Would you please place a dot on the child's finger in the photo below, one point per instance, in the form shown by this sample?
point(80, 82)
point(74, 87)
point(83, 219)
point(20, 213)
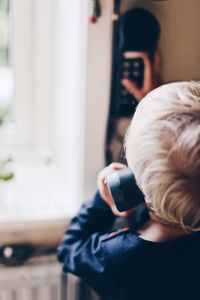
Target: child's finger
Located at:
point(101, 181)
point(148, 73)
point(117, 166)
point(132, 88)
point(124, 214)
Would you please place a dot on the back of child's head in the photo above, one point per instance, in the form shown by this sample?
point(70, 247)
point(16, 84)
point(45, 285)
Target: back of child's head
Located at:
point(163, 150)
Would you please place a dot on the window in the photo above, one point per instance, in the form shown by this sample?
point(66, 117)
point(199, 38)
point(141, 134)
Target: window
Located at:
point(6, 71)
point(15, 74)
point(43, 133)
point(55, 57)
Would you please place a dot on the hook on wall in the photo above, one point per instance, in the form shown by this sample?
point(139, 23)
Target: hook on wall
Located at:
point(95, 11)
point(116, 10)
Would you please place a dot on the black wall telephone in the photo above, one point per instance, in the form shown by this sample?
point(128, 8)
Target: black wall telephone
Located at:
point(137, 31)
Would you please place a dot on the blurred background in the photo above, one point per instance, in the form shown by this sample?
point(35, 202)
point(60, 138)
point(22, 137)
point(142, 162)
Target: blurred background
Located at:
point(56, 71)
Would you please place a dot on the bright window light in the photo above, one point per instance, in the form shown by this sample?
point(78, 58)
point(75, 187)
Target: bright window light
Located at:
point(6, 71)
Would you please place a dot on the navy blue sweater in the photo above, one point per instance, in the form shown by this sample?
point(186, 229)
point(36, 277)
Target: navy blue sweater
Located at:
point(121, 266)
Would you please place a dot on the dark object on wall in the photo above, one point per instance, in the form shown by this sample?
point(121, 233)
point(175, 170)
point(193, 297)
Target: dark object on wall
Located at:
point(137, 30)
point(96, 11)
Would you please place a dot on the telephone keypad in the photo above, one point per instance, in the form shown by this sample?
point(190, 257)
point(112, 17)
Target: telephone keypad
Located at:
point(132, 69)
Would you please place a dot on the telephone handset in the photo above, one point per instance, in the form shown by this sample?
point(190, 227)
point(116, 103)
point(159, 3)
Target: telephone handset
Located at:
point(124, 190)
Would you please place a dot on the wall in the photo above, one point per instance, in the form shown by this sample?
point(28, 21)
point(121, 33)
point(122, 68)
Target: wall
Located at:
point(180, 42)
point(97, 94)
point(180, 46)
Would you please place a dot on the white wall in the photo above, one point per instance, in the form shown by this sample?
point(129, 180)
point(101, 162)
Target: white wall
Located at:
point(97, 94)
point(180, 46)
point(69, 81)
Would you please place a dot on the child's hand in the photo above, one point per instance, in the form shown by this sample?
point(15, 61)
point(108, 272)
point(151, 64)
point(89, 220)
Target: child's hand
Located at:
point(103, 189)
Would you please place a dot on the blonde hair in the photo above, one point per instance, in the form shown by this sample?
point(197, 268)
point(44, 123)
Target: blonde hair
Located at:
point(163, 150)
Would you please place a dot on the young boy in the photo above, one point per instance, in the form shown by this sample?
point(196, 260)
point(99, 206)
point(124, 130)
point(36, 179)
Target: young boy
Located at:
point(159, 261)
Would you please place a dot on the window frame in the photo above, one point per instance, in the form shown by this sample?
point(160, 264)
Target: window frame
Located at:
point(44, 135)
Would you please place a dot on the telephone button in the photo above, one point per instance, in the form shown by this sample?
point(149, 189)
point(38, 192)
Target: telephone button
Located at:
point(136, 64)
point(126, 74)
point(136, 73)
point(126, 64)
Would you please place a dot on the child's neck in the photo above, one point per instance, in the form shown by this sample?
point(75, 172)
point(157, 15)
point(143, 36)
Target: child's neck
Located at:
point(156, 231)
